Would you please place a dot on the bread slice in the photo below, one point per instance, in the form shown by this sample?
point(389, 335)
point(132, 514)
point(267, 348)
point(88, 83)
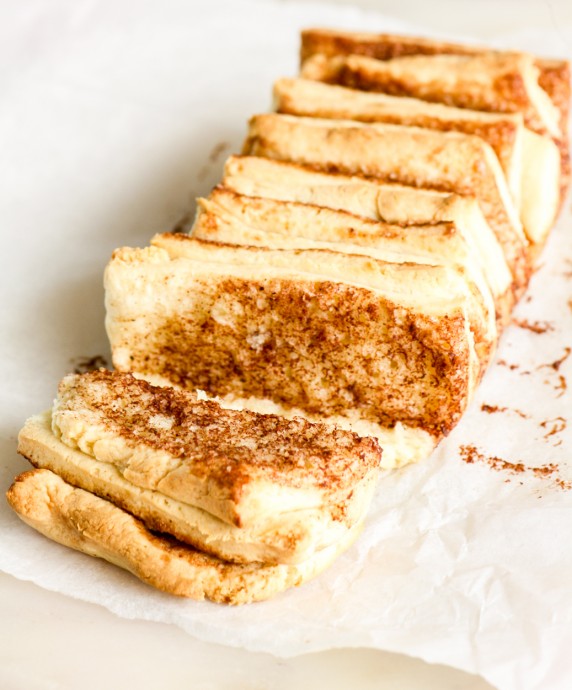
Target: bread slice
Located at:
point(371, 198)
point(531, 162)
point(84, 522)
point(447, 161)
point(238, 219)
point(287, 537)
point(332, 334)
point(246, 469)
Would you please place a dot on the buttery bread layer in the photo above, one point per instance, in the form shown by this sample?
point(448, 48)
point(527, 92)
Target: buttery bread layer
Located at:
point(290, 537)
point(78, 519)
point(326, 332)
point(233, 218)
point(531, 162)
point(244, 468)
point(371, 198)
point(446, 161)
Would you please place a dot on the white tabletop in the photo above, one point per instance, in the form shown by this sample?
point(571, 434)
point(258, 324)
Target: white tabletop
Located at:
point(51, 641)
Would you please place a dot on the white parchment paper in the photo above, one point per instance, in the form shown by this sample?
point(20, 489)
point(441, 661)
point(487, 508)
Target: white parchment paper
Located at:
point(114, 115)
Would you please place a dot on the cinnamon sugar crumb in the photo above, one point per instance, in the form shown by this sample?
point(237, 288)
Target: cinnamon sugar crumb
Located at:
point(492, 409)
point(471, 455)
point(534, 326)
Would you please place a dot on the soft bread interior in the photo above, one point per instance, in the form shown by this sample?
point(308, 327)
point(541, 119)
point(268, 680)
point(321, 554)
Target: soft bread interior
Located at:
point(531, 162)
point(157, 439)
point(309, 329)
point(432, 290)
point(229, 217)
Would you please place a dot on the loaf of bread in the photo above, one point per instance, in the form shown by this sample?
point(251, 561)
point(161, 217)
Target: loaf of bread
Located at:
point(329, 311)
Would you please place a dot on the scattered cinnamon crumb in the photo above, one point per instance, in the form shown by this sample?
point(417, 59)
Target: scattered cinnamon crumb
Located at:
point(559, 362)
point(554, 427)
point(534, 326)
point(558, 424)
point(491, 409)
point(568, 273)
point(82, 365)
point(471, 455)
point(511, 367)
point(561, 386)
point(504, 363)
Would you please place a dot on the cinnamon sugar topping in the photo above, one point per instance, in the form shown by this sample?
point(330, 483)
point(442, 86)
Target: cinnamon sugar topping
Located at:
point(471, 455)
point(228, 445)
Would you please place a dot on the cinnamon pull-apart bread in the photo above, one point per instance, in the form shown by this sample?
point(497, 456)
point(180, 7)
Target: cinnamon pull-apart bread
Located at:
point(381, 347)
point(78, 519)
point(239, 485)
point(446, 161)
point(531, 162)
point(238, 219)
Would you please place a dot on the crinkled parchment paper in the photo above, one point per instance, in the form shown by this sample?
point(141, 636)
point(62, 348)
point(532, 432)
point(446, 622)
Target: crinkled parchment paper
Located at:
point(113, 116)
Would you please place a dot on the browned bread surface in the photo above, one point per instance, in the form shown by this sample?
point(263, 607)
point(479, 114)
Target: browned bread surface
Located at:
point(78, 519)
point(196, 452)
point(446, 161)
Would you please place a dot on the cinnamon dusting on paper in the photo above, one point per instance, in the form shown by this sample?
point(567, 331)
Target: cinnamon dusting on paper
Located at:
point(492, 409)
point(534, 326)
point(559, 362)
point(554, 427)
point(504, 363)
point(512, 367)
point(471, 455)
point(561, 384)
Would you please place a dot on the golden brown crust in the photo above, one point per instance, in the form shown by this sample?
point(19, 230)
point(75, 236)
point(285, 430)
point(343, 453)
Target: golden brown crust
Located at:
point(396, 206)
point(77, 519)
point(554, 75)
point(445, 161)
point(492, 82)
point(285, 537)
point(245, 220)
point(314, 99)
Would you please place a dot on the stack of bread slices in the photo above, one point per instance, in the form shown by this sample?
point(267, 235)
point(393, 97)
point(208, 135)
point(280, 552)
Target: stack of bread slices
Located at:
point(336, 300)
